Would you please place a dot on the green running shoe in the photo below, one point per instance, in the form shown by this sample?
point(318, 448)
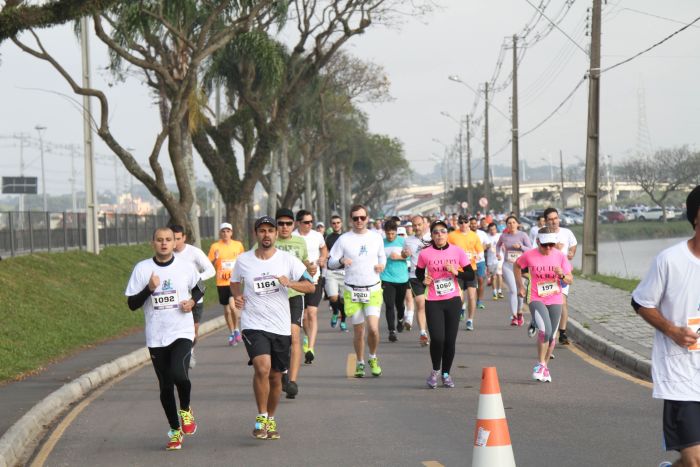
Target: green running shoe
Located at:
point(305, 345)
point(374, 365)
point(360, 370)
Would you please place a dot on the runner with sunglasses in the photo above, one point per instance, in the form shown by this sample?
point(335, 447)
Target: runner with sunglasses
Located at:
point(438, 267)
point(333, 280)
point(548, 268)
point(361, 252)
point(511, 246)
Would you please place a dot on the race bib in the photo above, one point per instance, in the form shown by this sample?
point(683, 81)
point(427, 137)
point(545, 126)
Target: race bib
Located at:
point(167, 300)
point(513, 256)
point(266, 285)
point(444, 286)
point(694, 325)
point(227, 268)
point(545, 289)
point(360, 295)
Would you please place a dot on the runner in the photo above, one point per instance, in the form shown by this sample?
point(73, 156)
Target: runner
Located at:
point(168, 289)
point(203, 266)
point(480, 261)
point(334, 278)
point(223, 254)
point(260, 283)
point(409, 304)
point(321, 228)
point(566, 243)
point(669, 300)
point(362, 254)
point(470, 242)
point(415, 244)
point(438, 267)
point(512, 244)
point(534, 230)
point(495, 265)
point(394, 279)
point(295, 246)
point(548, 269)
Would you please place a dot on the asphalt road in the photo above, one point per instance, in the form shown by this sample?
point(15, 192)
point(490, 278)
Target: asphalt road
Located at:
point(587, 416)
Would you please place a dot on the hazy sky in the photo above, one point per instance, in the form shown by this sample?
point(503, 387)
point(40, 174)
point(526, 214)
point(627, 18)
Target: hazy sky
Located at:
point(462, 37)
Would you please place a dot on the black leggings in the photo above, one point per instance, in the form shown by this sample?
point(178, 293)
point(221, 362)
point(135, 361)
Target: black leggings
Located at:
point(443, 322)
point(171, 364)
point(394, 295)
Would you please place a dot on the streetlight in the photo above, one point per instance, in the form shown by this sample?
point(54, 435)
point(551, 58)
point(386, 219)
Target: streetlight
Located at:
point(551, 169)
point(39, 129)
point(461, 150)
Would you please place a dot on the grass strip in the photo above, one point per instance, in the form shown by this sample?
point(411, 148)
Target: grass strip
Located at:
point(57, 303)
point(638, 230)
point(627, 285)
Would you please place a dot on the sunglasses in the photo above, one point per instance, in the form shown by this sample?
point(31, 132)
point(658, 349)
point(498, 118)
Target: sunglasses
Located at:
point(463, 222)
point(548, 245)
point(285, 223)
point(439, 231)
point(335, 223)
point(307, 222)
point(359, 218)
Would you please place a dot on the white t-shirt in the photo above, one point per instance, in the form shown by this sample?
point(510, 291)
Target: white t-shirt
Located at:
point(314, 242)
point(165, 321)
point(534, 230)
point(415, 245)
point(266, 301)
point(199, 260)
point(481, 257)
point(567, 238)
point(365, 250)
point(493, 240)
point(670, 286)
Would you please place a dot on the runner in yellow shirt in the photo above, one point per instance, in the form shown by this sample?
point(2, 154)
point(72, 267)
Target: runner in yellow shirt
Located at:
point(223, 255)
point(471, 243)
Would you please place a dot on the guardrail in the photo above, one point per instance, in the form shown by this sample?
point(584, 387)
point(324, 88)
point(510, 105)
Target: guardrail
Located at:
point(26, 232)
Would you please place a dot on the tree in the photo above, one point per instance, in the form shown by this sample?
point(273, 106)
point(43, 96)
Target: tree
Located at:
point(665, 172)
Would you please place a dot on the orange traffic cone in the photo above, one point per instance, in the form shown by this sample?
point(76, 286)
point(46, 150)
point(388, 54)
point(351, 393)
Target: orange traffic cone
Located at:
point(492, 446)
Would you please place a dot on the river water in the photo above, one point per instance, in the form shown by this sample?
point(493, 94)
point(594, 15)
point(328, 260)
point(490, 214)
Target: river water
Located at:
point(629, 258)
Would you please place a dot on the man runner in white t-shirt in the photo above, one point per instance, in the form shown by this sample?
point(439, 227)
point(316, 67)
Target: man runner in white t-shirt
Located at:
point(566, 243)
point(362, 253)
point(168, 289)
point(668, 298)
point(318, 255)
point(259, 285)
point(203, 266)
point(415, 243)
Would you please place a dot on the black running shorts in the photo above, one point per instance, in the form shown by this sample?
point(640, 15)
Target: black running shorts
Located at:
point(681, 424)
point(224, 294)
point(314, 299)
point(296, 309)
point(267, 343)
point(417, 287)
point(197, 312)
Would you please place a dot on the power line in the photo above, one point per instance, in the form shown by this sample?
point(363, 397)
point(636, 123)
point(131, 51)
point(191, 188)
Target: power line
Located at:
point(656, 16)
point(566, 99)
point(557, 26)
point(652, 46)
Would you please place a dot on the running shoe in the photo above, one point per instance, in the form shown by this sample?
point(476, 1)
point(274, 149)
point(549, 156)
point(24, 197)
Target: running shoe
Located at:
point(563, 338)
point(470, 325)
point(423, 340)
point(546, 377)
point(399, 327)
point(374, 365)
point(239, 337)
point(292, 390)
point(231, 340)
point(532, 330)
point(407, 325)
point(480, 305)
point(461, 314)
point(189, 426)
point(665, 464)
point(272, 429)
point(513, 321)
point(334, 320)
point(447, 380)
point(309, 356)
point(193, 362)
point(500, 295)
point(305, 345)
point(495, 296)
point(538, 372)
point(343, 326)
point(433, 379)
point(175, 441)
point(260, 430)
point(392, 336)
point(551, 357)
point(360, 370)
point(521, 321)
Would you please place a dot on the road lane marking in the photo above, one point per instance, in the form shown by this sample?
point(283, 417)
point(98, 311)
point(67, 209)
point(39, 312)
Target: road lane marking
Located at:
point(63, 425)
point(432, 464)
point(607, 368)
point(350, 365)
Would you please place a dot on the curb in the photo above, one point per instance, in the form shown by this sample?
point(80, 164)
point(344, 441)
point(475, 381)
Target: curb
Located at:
point(602, 347)
point(29, 429)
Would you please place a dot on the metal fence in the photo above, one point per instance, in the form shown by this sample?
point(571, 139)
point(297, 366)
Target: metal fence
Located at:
point(30, 231)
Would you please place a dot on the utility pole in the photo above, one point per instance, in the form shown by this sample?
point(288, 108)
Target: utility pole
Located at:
point(21, 173)
point(487, 185)
point(39, 129)
point(589, 261)
point(91, 234)
point(461, 156)
point(470, 192)
point(561, 173)
point(515, 164)
point(74, 202)
point(217, 195)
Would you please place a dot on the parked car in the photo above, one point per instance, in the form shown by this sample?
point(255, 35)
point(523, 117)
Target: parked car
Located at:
point(614, 217)
point(629, 215)
point(655, 214)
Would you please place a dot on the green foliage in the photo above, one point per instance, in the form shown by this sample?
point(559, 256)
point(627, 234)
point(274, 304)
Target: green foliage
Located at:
point(638, 230)
point(628, 285)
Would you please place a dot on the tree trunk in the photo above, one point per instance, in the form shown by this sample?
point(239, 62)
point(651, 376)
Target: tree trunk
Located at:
point(321, 194)
point(236, 215)
point(274, 183)
point(284, 165)
point(308, 195)
point(343, 200)
point(193, 235)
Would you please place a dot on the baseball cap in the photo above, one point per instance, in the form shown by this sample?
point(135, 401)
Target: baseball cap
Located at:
point(265, 220)
point(462, 217)
point(225, 225)
point(320, 224)
point(401, 231)
point(438, 222)
point(284, 212)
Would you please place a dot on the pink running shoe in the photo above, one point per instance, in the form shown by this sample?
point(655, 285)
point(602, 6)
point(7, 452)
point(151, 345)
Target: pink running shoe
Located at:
point(520, 319)
point(514, 321)
point(538, 372)
point(546, 377)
